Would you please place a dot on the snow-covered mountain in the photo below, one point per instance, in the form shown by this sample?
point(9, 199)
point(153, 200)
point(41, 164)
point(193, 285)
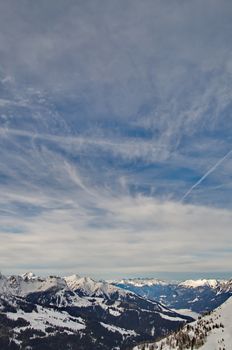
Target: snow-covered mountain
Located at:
point(46, 313)
point(140, 282)
point(198, 296)
point(210, 332)
point(29, 283)
point(87, 286)
point(212, 283)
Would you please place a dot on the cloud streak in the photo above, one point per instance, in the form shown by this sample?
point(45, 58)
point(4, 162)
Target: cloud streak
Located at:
point(206, 175)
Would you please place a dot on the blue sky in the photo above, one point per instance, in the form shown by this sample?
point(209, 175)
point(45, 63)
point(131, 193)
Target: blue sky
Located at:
point(110, 113)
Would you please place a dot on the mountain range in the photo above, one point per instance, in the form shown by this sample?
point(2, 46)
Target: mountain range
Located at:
point(79, 313)
point(196, 296)
point(76, 312)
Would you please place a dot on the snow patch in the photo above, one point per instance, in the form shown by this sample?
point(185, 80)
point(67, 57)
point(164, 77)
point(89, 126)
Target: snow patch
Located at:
point(122, 331)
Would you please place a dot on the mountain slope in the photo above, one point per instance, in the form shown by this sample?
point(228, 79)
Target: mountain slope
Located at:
point(48, 313)
point(211, 332)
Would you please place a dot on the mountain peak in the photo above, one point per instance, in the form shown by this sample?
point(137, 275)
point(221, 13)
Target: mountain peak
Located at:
point(140, 282)
point(29, 276)
point(89, 286)
point(212, 283)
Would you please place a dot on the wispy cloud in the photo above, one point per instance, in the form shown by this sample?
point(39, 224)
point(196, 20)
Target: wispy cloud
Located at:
point(109, 113)
point(137, 234)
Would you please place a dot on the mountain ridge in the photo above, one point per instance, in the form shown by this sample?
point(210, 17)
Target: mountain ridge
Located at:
point(80, 311)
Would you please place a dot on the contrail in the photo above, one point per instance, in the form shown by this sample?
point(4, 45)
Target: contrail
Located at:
point(206, 175)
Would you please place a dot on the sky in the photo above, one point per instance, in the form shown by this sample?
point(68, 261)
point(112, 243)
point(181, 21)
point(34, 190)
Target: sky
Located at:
point(116, 137)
